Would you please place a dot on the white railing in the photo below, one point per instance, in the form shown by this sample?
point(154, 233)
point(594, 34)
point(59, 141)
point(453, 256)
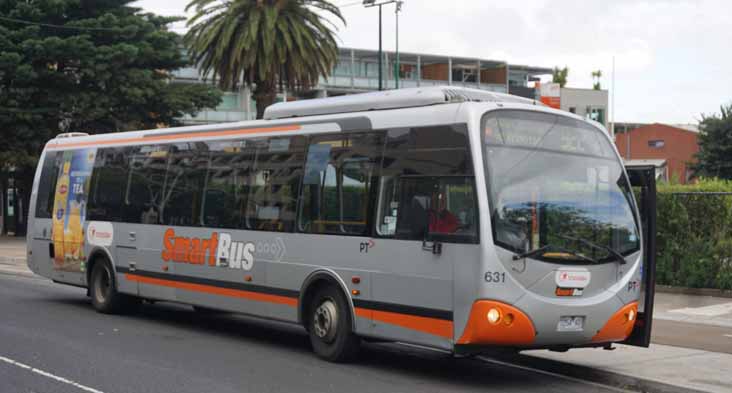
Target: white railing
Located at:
point(368, 83)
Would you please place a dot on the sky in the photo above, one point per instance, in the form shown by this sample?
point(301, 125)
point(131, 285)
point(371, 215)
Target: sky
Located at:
point(673, 61)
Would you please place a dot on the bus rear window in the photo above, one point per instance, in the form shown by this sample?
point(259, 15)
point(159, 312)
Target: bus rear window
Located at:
point(46, 185)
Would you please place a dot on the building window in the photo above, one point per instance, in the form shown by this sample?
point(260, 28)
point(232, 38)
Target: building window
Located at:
point(596, 114)
point(656, 144)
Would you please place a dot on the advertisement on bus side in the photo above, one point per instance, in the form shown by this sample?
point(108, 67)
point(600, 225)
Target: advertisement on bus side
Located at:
point(69, 211)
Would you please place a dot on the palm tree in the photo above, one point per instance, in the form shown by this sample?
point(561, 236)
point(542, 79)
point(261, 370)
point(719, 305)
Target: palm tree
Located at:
point(559, 75)
point(596, 75)
point(263, 44)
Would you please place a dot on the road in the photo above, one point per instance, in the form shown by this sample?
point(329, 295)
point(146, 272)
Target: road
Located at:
point(51, 340)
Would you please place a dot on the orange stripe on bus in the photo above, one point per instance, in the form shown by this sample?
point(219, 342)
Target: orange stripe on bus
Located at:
point(434, 326)
point(261, 297)
point(173, 137)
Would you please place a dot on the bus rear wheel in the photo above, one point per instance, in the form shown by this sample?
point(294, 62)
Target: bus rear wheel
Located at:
point(103, 291)
point(329, 326)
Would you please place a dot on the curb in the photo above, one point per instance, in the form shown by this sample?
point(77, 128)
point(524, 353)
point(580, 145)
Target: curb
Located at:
point(13, 261)
point(609, 378)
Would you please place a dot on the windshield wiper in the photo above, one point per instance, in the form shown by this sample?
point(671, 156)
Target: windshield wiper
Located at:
point(615, 254)
point(543, 249)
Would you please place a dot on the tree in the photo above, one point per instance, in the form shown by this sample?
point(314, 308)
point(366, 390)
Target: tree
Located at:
point(93, 66)
point(263, 44)
point(559, 75)
point(714, 158)
point(596, 75)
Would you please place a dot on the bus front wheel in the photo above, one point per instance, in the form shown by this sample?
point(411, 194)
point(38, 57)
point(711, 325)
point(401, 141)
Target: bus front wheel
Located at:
point(103, 291)
point(329, 327)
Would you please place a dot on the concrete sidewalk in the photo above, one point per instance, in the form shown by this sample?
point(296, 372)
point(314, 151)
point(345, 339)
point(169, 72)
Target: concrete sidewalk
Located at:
point(660, 368)
point(704, 310)
point(13, 256)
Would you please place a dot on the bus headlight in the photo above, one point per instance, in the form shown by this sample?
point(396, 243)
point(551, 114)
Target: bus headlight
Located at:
point(494, 316)
point(631, 315)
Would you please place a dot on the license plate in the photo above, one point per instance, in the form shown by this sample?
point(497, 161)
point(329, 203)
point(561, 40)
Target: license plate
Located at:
point(571, 324)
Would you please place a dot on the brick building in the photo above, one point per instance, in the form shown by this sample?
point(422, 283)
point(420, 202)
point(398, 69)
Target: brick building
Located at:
point(674, 144)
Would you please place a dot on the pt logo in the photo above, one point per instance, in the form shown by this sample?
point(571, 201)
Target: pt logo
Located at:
point(365, 246)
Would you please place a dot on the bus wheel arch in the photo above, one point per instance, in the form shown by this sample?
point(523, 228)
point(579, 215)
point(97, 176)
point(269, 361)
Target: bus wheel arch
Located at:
point(326, 312)
point(97, 255)
point(312, 284)
point(102, 286)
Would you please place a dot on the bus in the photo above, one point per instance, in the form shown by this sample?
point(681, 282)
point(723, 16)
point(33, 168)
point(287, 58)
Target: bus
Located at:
point(450, 218)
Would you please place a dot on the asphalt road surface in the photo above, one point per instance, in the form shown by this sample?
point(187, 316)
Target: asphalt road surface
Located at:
point(51, 340)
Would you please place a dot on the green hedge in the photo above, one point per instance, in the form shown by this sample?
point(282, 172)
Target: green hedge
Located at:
point(695, 235)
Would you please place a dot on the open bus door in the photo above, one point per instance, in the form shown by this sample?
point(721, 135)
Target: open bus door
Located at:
point(644, 178)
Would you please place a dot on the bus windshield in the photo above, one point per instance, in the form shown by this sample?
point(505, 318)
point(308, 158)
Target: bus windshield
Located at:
point(556, 187)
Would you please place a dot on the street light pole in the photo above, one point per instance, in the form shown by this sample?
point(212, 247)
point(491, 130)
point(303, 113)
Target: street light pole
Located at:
point(373, 3)
point(381, 55)
point(397, 67)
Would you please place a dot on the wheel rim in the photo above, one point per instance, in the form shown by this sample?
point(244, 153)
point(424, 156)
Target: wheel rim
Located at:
point(325, 320)
point(103, 284)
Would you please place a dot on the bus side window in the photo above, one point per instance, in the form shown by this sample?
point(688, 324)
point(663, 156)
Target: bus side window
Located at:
point(184, 183)
point(145, 184)
point(337, 182)
point(275, 185)
point(226, 193)
point(108, 184)
point(47, 184)
point(411, 154)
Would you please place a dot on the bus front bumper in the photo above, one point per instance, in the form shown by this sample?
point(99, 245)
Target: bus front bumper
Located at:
point(496, 324)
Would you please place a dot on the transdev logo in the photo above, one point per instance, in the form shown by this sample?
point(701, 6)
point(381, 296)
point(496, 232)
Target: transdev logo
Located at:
point(575, 278)
point(100, 233)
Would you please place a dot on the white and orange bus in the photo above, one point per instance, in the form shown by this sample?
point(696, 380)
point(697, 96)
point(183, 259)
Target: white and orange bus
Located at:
point(451, 218)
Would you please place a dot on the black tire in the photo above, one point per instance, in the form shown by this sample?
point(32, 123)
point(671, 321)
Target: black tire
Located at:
point(103, 291)
point(329, 326)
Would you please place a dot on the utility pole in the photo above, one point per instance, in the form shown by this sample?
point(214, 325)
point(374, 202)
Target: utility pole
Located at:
point(373, 3)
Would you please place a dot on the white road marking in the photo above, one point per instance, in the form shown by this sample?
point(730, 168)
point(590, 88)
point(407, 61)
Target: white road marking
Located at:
point(49, 375)
point(708, 311)
point(728, 335)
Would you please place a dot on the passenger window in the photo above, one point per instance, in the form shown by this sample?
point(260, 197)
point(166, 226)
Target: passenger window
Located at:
point(108, 184)
point(47, 184)
point(337, 182)
point(275, 184)
point(230, 172)
point(184, 183)
point(441, 208)
point(427, 185)
point(145, 184)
